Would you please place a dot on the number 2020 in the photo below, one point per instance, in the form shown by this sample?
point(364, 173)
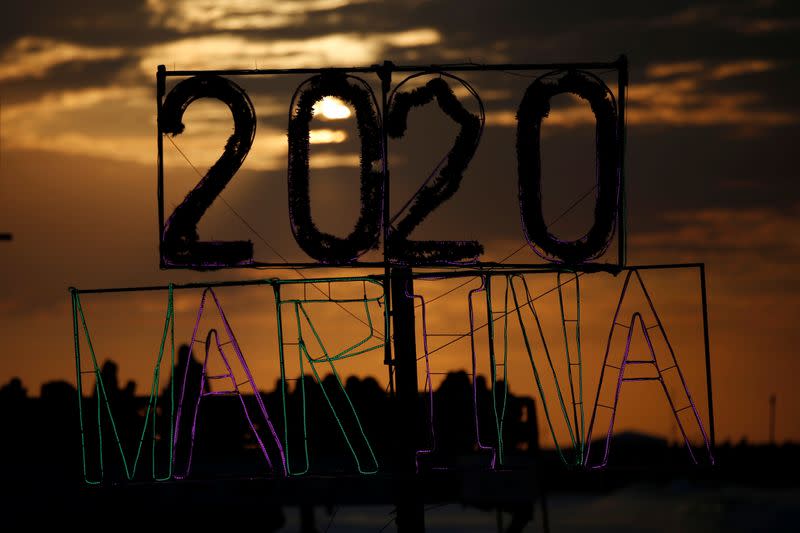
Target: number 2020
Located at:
point(180, 244)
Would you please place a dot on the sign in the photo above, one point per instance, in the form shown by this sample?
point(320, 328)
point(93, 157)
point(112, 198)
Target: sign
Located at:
point(377, 122)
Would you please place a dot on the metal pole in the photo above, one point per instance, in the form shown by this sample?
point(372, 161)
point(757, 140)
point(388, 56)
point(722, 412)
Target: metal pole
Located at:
point(453, 67)
point(772, 419)
point(708, 355)
point(160, 91)
point(622, 83)
point(410, 505)
point(385, 75)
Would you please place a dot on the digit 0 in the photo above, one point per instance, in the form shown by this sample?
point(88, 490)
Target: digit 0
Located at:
point(323, 246)
point(534, 107)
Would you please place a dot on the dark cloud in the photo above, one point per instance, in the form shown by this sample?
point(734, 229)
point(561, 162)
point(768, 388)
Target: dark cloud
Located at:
point(94, 22)
point(69, 76)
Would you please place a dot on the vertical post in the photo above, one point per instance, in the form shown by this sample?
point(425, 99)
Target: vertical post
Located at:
point(410, 510)
point(708, 355)
point(622, 82)
point(160, 90)
point(772, 419)
point(276, 288)
point(493, 371)
point(78, 377)
point(385, 75)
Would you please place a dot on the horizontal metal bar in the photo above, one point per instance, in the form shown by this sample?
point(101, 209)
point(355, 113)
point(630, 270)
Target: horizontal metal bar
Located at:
point(479, 266)
point(456, 67)
point(483, 265)
point(293, 301)
point(660, 266)
point(213, 284)
point(641, 379)
point(238, 283)
point(489, 269)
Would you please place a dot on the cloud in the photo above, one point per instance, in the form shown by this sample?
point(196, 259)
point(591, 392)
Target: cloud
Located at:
point(682, 94)
point(193, 15)
point(766, 25)
point(741, 68)
point(690, 96)
point(761, 233)
point(690, 16)
point(743, 18)
point(654, 104)
point(666, 70)
point(327, 136)
point(77, 122)
point(229, 50)
point(34, 57)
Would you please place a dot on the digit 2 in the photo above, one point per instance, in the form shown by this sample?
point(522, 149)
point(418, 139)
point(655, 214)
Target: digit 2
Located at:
point(433, 194)
point(180, 244)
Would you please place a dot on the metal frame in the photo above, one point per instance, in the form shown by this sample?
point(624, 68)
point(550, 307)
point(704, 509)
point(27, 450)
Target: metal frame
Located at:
point(384, 72)
point(274, 282)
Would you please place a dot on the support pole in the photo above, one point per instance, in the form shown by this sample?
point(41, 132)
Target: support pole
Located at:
point(622, 84)
point(385, 75)
point(706, 343)
point(772, 420)
point(410, 505)
point(161, 89)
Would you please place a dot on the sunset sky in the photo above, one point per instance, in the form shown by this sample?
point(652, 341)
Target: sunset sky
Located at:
point(712, 126)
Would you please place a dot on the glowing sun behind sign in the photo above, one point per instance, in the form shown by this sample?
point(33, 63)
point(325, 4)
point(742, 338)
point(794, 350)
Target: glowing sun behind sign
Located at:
point(332, 108)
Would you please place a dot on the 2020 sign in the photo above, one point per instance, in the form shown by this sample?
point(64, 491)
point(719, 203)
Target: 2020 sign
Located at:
point(181, 246)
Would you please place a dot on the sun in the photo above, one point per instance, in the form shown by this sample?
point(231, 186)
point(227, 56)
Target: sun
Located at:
point(332, 108)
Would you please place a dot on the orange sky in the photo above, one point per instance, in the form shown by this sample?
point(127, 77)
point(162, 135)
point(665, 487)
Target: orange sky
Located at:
point(711, 128)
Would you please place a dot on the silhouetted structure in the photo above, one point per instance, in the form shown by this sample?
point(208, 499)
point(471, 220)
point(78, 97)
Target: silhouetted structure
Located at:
point(41, 442)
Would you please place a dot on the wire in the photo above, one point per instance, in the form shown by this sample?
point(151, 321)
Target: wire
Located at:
point(330, 522)
point(392, 519)
point(524, 245)
point(448, 292)
point(526, 304)
point(482, 119)
point(262, 239)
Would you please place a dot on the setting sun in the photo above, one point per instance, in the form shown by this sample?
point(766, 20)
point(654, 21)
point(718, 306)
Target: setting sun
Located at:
point(332, 108)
